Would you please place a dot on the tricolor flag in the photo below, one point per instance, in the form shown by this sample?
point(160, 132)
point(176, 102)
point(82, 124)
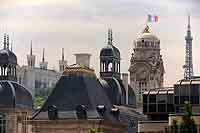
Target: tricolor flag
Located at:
point(152, 18)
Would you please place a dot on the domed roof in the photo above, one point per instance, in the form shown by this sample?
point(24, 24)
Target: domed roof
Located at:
point(7, 57)
point(110, 50)
point(147, 35)
point(14, 95)
point(77, 87)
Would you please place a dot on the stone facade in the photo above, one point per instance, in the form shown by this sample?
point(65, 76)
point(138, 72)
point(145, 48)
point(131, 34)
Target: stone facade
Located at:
point(146, 65)
point(75, 126)
point(38, 81)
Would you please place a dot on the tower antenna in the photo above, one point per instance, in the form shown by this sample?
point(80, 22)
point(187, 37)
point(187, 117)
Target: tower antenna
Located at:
point(188, 67)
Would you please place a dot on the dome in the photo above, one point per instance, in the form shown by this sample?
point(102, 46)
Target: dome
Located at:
point(74, 89)
point(110, 51)
point(7, 57)
point(147, 40)
point(14, 95)
point(148, 36)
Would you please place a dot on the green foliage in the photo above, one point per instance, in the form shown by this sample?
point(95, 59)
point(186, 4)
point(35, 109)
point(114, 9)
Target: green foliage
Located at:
point(38, 102)
point(94, 130)
point(188, 124)
point(174, 127)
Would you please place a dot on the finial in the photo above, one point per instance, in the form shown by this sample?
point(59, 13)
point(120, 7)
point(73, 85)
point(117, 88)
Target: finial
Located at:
point(188, 21)
point(31, 51)
point(110, 38)
point(8, 42)
point(43, 56)
point(11, 47)
point(4, 42)
point(146, 29)
point(63, 58)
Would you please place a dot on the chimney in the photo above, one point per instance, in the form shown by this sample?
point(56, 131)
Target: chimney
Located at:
point(125, 83)
point(83, 59)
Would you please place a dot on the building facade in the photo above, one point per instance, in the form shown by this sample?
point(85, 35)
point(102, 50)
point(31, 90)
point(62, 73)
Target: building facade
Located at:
point(146, 65)
point(39, 80)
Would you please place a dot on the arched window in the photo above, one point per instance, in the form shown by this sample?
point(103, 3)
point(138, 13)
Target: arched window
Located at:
point(110, 65)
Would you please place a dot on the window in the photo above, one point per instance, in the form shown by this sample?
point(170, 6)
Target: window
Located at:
point(170, 99)
point(2, 124)
point(152, 107)
point(184, 90)
point(145, 98)
point(176, 99)
point(161, 98)
point(194, 99)
point(152, 98)
point(144, 108)
point(161, 107)
point(194, 90)
point(170, 107)
point(183, 99)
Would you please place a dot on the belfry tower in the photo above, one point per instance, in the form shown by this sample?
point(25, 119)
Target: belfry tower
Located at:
point(31, 58)
point(188, 73)
point(43, 63)
point(62, 62)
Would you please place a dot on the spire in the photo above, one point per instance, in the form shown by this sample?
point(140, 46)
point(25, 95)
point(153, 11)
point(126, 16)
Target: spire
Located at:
point(31, 51)
point(188, 22)
point(8, 43)
point(4, 42)
point(43, 56)
point(110, 38)
point(63, 58)
point(11, 47)
point(188, 66)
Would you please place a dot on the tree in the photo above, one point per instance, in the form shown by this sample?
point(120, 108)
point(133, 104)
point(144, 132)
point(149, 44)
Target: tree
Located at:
point(38, 102)
point(188, 124)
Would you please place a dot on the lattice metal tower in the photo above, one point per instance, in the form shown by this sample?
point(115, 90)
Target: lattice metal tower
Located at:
point(188, 57)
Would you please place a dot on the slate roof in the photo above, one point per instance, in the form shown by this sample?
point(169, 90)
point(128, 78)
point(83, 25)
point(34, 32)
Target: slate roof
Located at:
point(73, 89)
point(114, 89)
point(14, 95)
point(110, 51)
point(7, 57)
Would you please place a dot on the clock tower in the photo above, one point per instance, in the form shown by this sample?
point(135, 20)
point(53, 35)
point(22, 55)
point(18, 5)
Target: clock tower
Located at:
point(146, 65)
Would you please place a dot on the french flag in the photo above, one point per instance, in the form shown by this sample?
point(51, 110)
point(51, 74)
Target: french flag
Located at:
point(152, 18)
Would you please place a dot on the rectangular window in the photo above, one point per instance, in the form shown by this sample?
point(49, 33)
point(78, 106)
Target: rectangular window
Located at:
point(145, 98)
point(152, 107)
point(170, 108)
point(152, 98)
point(2, 124)
point(194, 99)
point(183, 99)
point(144, 108)
point(176, 99)
point(170, 99)
point(184, 90)
point(161, 98)
point(195, 90)
point(161, 107)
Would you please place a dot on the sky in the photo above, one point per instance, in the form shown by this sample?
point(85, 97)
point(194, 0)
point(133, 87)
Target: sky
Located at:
point(80, 26)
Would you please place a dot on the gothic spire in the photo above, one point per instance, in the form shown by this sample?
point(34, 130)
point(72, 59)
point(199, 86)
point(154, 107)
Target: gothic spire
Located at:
point(8, 42)
point(63, 58)
point(110, 38)
point(188, 22)
point(31, 51)
point(43, 56)
point(4, 42)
